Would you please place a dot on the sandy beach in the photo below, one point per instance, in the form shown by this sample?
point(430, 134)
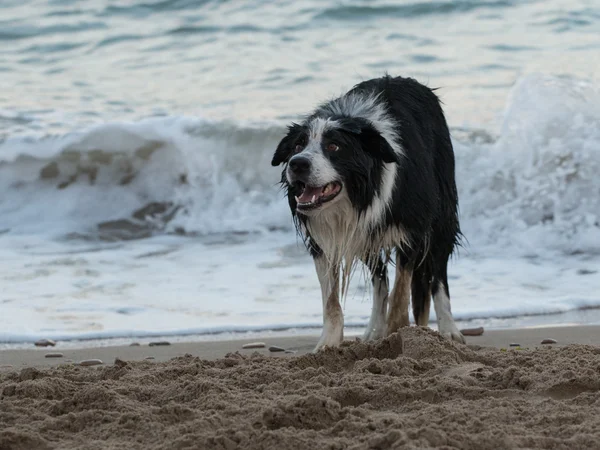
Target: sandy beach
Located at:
point(411, 390)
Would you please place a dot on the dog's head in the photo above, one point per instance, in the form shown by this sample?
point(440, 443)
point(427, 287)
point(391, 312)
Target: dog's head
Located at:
point(327, 159)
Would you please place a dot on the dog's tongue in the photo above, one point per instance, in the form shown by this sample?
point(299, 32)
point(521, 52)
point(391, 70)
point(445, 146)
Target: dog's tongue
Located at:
point(309, 193)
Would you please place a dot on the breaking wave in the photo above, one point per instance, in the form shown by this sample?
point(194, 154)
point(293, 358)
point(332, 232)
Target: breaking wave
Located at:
point(533, 185)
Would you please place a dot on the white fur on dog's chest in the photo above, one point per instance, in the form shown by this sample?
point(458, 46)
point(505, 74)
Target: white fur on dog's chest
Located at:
point(344, 237)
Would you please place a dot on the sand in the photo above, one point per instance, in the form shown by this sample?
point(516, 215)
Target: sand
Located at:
point(411, 390)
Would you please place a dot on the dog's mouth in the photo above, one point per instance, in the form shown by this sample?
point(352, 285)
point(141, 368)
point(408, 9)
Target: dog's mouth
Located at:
point(309, 197)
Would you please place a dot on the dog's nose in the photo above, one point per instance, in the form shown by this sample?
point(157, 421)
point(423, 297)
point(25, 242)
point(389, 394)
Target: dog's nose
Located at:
point(299, 165)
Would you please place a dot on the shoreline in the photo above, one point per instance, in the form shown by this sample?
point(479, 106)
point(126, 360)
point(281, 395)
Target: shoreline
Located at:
point(583, 316)
point(16, 359)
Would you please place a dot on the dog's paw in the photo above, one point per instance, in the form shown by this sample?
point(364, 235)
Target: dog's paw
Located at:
point(329, 340)
point(451, 332)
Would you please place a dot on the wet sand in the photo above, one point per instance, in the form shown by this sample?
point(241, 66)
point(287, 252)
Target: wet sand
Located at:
point(412, 390)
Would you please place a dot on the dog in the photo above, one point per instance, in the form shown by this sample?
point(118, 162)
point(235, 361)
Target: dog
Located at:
point(370, 178)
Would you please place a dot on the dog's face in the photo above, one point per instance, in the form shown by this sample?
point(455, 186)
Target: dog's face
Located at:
point(329, 159)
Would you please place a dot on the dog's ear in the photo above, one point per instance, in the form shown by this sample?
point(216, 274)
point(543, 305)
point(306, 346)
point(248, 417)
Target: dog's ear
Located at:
point(286, 146)
point(372, 141)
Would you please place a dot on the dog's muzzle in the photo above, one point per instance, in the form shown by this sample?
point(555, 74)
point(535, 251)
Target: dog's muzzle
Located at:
point(308, 196)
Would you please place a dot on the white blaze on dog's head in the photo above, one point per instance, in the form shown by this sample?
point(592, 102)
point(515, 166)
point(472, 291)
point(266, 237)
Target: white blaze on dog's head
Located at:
point(322, 171)
point(316, 181)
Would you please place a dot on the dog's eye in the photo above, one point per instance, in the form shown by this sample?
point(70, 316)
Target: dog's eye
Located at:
point(332, 148)
point(300, 144)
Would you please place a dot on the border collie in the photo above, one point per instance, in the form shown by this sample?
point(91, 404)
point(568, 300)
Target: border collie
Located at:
point(369, 175)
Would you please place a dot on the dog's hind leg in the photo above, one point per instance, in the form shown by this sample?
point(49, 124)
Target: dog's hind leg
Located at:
point(376, 328)
point(333, 317)
point(421, 294)
point(399, 297)
point(441, 302)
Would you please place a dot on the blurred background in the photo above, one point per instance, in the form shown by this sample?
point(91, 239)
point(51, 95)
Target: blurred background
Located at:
point(136, 192)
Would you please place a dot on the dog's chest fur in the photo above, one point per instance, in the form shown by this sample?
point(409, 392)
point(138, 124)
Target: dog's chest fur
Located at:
point(345, 237)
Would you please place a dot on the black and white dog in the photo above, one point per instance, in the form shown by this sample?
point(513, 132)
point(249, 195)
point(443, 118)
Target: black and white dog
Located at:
point(369, 174)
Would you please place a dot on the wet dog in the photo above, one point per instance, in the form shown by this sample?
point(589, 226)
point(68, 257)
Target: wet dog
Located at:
point(370, 177)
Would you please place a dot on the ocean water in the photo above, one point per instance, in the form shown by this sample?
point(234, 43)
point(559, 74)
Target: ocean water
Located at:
point(136, 193)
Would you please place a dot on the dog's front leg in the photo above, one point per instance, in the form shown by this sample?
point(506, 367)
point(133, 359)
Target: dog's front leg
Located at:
point(333, 317)
point(377, 326)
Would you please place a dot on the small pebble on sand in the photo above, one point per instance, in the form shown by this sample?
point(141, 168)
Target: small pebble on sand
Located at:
point(549, 341)
point(274, 348)
point(156, 344)
point(254, 345)
point(54, 355)
point(134, 344)
point(90, 362)
point(514, 344)
point(472, 331)
point(45, 343)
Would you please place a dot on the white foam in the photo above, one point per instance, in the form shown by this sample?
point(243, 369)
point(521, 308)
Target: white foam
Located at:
point(228, 183)
point(536, 188)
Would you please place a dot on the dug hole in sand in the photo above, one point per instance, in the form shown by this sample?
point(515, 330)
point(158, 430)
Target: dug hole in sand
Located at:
point(411, 390)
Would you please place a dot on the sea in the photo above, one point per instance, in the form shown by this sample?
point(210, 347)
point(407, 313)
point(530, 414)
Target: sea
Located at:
point(137, 199)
